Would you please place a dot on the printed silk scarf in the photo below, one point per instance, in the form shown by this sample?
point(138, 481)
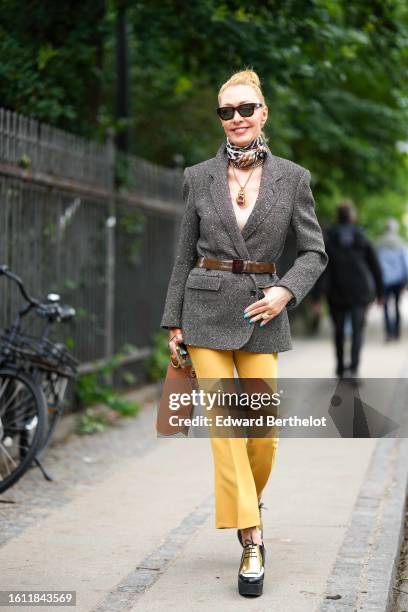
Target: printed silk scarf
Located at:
point(249, 155)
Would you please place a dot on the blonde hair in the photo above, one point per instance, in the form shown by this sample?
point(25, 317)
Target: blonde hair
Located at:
point(245, 77)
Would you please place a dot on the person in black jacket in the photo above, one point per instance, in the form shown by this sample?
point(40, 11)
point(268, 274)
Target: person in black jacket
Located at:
point(351, 281)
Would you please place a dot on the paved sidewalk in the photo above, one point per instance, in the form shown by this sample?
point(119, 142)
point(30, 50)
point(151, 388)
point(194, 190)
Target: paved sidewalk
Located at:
point(132, 527)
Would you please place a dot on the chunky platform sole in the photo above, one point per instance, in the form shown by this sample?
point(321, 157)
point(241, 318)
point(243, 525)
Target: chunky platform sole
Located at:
point(250, 588)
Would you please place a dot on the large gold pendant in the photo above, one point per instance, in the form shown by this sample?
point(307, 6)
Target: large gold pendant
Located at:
point(241, 198)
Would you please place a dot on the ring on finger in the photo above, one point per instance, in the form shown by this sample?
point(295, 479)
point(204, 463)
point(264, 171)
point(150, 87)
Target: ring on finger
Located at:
point(265, 315)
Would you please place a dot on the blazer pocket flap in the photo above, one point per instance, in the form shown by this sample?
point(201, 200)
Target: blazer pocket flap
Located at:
point(204, 281)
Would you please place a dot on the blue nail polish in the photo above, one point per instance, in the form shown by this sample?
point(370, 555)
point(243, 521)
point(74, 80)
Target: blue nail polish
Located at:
point(252, 321)
point(246, 315)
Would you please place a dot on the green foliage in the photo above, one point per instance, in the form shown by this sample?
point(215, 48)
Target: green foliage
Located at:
point(92, 422)
point(333, 74)
point(51, 66)
point(129, 378)
point(91, 389)
point(122, 173)
point(69, 342)
point(124, 407)
point(375, 208)
point(131, 222)
point(50, 231)
point(70, 284)
point(392, 202)
point(156, 364)
point(25, 161)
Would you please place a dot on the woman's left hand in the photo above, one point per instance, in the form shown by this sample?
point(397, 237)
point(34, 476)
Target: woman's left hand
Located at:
point(273, 303)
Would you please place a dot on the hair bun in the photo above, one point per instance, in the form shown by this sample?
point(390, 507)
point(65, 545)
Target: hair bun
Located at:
point(246, 75)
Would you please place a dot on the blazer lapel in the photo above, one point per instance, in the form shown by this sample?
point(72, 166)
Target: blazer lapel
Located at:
point(267, 197)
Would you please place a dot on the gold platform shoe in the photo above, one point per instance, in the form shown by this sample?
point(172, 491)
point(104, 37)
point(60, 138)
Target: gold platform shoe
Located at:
point(252, 569)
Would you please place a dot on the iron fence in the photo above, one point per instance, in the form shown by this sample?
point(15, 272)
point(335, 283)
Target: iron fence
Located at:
point(67, 226)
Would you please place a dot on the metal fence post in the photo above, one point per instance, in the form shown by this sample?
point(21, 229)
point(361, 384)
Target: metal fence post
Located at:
point(110, 255)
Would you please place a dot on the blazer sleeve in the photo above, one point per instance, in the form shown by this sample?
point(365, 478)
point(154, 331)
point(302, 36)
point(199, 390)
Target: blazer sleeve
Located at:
point(311, 257)
point(186, 255)
point(323, 283)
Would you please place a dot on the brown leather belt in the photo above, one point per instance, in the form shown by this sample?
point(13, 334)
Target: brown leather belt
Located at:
point(238, 266)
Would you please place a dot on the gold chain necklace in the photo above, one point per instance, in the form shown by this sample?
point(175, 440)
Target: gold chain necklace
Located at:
point(241, 193)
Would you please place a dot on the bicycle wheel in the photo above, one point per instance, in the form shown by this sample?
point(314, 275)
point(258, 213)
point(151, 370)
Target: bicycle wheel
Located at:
point(23, 423)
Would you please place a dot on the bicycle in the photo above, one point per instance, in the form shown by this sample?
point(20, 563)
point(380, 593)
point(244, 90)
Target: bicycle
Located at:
point(34, 373)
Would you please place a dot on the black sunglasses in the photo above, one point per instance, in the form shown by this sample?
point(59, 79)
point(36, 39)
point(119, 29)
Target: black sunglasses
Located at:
point(245, 110)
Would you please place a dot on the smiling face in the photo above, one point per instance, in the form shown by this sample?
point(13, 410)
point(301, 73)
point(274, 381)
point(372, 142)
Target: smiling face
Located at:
point(242, 130)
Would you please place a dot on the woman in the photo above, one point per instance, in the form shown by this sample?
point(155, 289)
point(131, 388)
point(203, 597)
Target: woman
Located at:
point(224, 299)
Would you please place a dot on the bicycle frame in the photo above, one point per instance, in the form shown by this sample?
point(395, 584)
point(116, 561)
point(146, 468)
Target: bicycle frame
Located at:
point(52, 312)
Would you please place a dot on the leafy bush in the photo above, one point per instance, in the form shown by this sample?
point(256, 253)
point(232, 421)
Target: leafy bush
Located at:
point(156, 364)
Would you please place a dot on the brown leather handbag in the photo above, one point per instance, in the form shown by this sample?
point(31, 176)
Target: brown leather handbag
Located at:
point(179, 379)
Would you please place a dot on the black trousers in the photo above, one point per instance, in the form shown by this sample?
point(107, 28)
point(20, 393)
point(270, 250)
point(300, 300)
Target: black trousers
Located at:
point(392, 324)
point(357, 314)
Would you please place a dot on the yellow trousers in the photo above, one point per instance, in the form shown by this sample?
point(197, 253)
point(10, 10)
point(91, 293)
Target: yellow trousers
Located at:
point(241, 465)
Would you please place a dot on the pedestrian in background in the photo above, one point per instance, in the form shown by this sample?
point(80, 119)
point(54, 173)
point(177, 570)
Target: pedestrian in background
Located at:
point(351, 281)
point(392, 253)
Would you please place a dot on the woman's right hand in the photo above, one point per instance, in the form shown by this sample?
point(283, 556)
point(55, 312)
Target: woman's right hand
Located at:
point(175, 337)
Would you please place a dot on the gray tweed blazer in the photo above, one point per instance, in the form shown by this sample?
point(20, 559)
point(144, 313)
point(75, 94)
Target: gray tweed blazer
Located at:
point(208, 305)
